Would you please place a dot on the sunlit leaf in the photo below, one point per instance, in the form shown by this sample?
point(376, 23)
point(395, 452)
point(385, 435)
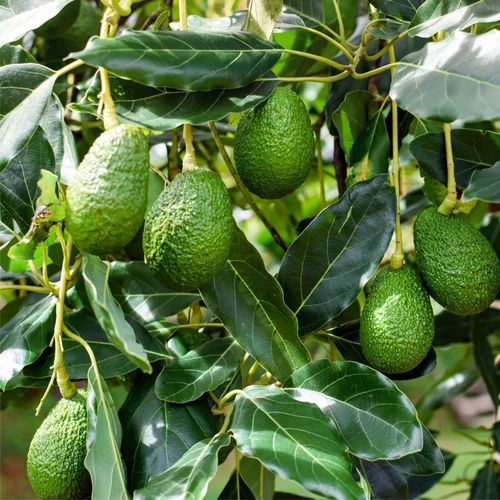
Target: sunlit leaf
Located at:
point(484, 185)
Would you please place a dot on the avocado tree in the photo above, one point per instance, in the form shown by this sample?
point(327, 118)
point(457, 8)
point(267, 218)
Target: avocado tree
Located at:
point(254, 248)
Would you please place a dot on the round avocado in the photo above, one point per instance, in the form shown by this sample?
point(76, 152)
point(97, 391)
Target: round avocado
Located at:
point(274, 145)
point(457, 263)
point(397, 323)
point(57, 452)
point(188, 230)
point(106, 199)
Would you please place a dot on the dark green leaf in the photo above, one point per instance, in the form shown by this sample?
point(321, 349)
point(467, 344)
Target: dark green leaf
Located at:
point(142, 295)
point(184, 59)
point(17, 18)
point(496, 435)
point(431, 85)
point(484, 185)
point(189, 476)
point(257, 477)
point(203, 369)
point(24, 337)
point(472, 150)
point(426, 462)
point(328, 264)
point(486, 484)
point(109, 313)
point(388, 29)
point(14, 54)
point(25, 90)
point(373, 417)
point(420, 484)
point(104, 435)
point(249, 301)
point(164, 109)
point(385, 481)
point(311, 11)
point(400, 9)
point(453, 15)
point(237, 488)
point(294, 440)
point(172, 428)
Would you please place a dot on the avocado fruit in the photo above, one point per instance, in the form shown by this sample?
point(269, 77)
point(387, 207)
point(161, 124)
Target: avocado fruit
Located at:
point(188, 230)
point(57, 451)
point(397, 322)
point(106, 200)
point(274, 145)
point(458, 264)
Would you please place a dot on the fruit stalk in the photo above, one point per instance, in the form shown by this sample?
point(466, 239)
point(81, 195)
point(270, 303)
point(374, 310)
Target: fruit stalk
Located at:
point(450, 201)
point(397, 257)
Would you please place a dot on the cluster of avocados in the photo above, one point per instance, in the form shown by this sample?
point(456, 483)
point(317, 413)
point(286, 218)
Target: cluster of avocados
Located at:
point(456, 265)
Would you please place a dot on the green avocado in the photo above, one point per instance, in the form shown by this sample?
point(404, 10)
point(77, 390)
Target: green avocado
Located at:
point(60, 23)
point(188, 230)
point(57, 452)
point(459, 266)
point(274, 145)
point(397, 323)
point(107, 197)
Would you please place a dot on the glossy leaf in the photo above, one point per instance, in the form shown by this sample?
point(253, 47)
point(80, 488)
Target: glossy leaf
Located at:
point(143, 296)
point(294, 440)
point(237, 488)
point(257, 477)
point(25, 90)
point(400, 9)
point(14, 54)
point(249, 302)
point(184, 59)
point(432, 82)
point(164, 109)
point(486, 484)
point(388, 29)
point(24, 337)
point(17, 18)
point(203, 369)
point(453, 15)
point(311, 11)
point(172, 428)
point(420, 484)
point(189, 476)
point(484, 185)
point(385, 482)
point(373, 417)
point(109, 313)
point(104, 434)
point(472, 150)
point(328, 264)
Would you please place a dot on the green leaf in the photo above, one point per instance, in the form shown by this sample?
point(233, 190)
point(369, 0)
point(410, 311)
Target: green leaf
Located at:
point(432, 82)
point(400, 9)
point(485, 484)
point(484, 185)
point(388, 29)
point(109, 313)
point(203, 369)
point(352, 116)
point(17, 18)
point(257, 477)
point(373, 417)
point(472, 150)
point(172, 428)
point(164, 109)
point(143, 296)
point(310, 11)
point(294, 440)
point(104, 434)
point(189, 476)
point(14, 54)
point(453, 15)
point(184, 59)
point(385, 481)
point(24, 337)
point(426, 462)
point(371, 151)
point(25, 89)
point(263, 16)
point(249, 302)
point(328, 264)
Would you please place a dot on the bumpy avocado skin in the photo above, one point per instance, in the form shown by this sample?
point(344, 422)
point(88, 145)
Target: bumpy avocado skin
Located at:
point(57, 452)
point(106, 199)
point(459, 266)
point(274, 145)
point(188, 230)
point(397, 323)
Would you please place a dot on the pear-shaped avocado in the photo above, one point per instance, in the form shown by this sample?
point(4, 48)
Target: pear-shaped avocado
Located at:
point(397, 323)
point(188, 230)
point(107, 197)
point(459, 266)
point(274, 145)
point(57, 452)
